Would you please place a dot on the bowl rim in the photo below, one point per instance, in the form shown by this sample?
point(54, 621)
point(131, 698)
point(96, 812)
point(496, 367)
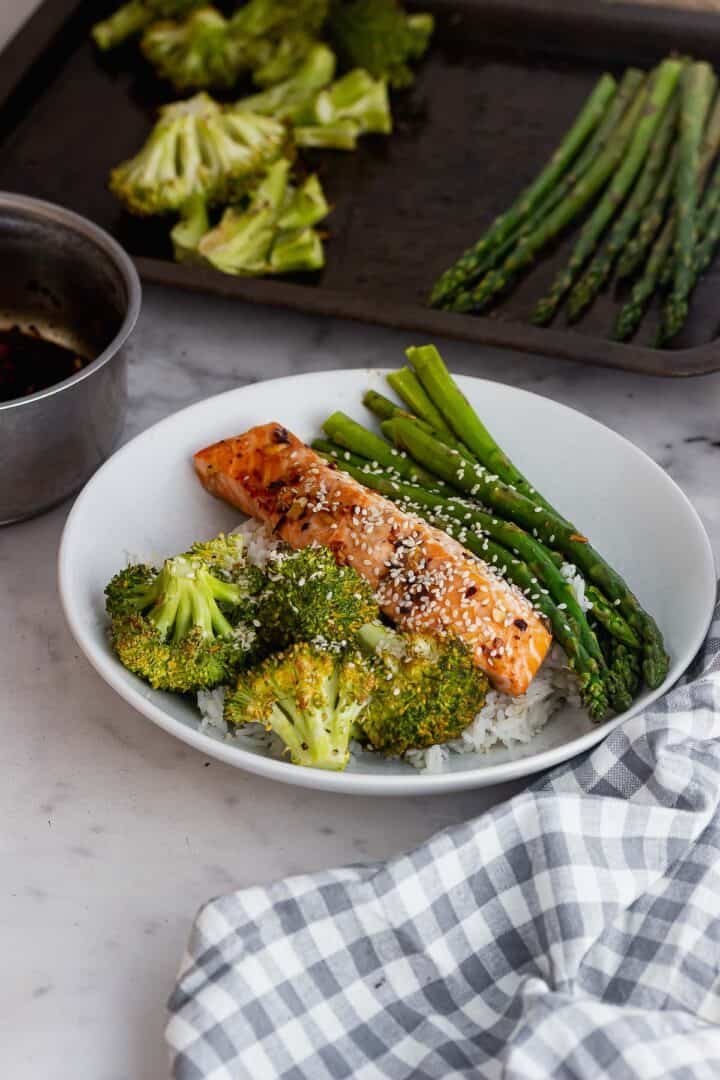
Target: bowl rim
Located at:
point(41, 210)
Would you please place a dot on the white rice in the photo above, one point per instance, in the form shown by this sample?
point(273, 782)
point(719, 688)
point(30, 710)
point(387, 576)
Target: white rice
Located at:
point(508, 721)
point(210, 703)
point(503, 720)
point(259, 540)
point(577, 583)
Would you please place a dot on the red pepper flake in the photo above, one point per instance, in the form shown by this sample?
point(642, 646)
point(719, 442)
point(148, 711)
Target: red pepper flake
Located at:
point(580, 539)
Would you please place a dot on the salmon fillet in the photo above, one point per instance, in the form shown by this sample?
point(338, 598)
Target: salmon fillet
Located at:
point(424, 580)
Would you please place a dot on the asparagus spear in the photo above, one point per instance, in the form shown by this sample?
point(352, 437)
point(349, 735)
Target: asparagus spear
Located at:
point(388, 429)
point(389, 483)
point(461, 300)
point(600, 268)
point(653, 219)
point(407, 386)
point(705, 215)
point(582, 193)
point(610, 618)
point(348, 433)
point(632, 312)
point(623, 675)
point(697, 86)
point(662, 88)
point(464, 421)
point(544, 524)
point(709, 243)
point(387, 410)
point(568, 622)
point(659, 267)
point(381, 406)
point(587, 120)
point(631, 258)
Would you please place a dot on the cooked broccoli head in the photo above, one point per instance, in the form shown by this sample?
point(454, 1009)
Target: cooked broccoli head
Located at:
point(272, 234)
point(199, 52)
point(187, 626)
point(198, 147)
point(278, 34)
point(378, 35)
point(427, 690)
point(274, 18)
point(355, 105)
point(309, 697)
point(308, 597)
point(207, 50)
point(274, 62)
point(293, 97)
point(131, 18)
point(225, 556)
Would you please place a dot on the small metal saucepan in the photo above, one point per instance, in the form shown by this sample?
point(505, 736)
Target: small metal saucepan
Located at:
point(63, 278)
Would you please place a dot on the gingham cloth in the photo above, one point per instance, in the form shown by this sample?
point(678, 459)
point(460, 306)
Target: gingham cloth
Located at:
point(573, 932)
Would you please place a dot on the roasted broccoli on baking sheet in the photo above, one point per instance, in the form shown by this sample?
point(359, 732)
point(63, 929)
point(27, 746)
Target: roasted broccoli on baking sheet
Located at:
point(293, 97)
point(198, 53)
point(355, 105)
point(272, 233)
point(208, 50)
point(132, 18)
point(381, 37)
point(198, 147)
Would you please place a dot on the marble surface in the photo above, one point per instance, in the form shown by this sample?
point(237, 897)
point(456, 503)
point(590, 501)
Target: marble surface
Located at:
point(113, 833)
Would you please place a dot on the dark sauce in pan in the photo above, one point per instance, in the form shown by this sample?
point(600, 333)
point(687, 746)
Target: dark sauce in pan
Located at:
point(29, 362)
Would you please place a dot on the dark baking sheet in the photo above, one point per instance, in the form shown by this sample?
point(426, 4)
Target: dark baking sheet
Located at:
point(500, 86)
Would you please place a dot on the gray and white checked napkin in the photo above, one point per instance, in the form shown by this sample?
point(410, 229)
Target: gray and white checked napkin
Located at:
point(573, 932)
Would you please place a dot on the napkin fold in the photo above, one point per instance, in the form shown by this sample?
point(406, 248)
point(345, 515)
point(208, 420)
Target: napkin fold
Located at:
point(572, 932)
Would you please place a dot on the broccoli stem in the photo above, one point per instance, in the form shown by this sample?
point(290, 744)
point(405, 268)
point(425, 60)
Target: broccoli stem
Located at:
point(375, 634)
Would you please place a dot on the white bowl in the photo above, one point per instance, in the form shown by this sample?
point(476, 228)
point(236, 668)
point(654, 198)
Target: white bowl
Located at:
point(146, 503)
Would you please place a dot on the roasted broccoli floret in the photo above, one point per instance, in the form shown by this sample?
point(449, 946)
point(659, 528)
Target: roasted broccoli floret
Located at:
point(199, 52)
point(198, 147)
point(225, 556)
point(272, 234)
point(187, 626)
point(309, 697)
point(355, 105)
point(207, 50)
point(133, 17)
point(309, 597)
point(275, 62)
point(379, 36)
point(427, 690)
point(294, 97)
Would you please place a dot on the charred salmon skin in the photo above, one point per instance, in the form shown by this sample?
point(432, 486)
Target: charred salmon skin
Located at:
point(424, 580)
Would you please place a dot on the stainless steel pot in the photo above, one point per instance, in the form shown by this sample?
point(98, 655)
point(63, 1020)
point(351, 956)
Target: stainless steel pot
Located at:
point(74, 284)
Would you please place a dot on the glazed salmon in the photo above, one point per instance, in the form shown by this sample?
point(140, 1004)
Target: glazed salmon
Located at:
point(424, 580)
